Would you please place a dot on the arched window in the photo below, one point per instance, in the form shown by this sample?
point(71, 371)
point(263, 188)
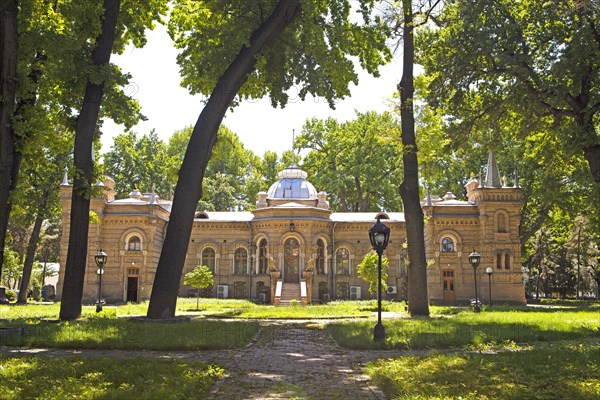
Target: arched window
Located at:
point(342, 262)
point(447, 245)
point(208, 258)
point(240, 261)
point(134, 243)
point(320, 262)
point(263, 261)
point(403, 263)
point(502, 223)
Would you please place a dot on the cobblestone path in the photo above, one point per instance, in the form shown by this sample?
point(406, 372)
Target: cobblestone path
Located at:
point(294, 361)
point(287, 360)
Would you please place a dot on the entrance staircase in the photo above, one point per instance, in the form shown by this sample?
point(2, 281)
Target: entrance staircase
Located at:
point(290, 291)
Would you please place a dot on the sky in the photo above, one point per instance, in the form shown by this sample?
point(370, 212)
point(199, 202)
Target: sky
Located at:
point(155, 83)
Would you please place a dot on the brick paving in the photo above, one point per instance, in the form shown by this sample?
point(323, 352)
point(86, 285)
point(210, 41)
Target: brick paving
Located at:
point(286, 360)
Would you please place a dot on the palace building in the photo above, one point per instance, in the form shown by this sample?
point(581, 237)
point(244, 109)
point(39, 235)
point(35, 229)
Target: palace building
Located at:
point(292, 246)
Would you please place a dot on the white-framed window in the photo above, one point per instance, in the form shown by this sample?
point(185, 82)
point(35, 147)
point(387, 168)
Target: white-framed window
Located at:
point(134, 243)
point(448, 245)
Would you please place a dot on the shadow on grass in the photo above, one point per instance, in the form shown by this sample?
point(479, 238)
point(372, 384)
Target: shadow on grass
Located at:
point(113, 333)
point(553, 371)
point(469, 329)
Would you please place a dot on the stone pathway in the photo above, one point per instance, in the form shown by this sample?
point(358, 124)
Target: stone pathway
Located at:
point(287, 360)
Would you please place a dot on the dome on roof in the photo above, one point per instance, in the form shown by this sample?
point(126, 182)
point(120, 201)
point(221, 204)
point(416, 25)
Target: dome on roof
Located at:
point(292, 184)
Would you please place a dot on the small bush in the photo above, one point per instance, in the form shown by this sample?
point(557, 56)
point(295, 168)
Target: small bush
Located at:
point(11, 295)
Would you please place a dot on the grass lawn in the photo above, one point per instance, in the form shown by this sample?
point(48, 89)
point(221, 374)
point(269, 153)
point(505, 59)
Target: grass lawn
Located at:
point(105, 378)
point(217, 308)
point(460, 327)
point(245, 309)
point(106, 330)
point(501, 353)
point(551, 371)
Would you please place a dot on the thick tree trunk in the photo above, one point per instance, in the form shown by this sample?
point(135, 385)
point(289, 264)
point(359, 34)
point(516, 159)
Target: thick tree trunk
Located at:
point(592, 155)
point(30, 256)
point(189, 185)
point(70, 307)
point(8, 79)
point(418, 303)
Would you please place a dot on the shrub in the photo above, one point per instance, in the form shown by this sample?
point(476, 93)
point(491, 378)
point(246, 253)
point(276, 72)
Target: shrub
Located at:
point(11, 295)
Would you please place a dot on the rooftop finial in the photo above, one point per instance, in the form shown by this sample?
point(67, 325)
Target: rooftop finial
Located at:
point(65, 181)
point(152, 196)
point(293, 140)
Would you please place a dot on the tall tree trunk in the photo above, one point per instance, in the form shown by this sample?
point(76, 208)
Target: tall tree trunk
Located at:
point(8, 79)
point(70, 307)
point(31, 246)
point(409, 189)
point(592, 155)
point(189, 185)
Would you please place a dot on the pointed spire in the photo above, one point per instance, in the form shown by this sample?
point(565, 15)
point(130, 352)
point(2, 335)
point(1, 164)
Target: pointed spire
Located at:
point(65, 181)
point(428, 202)
point(293, 140)
point(493, 173)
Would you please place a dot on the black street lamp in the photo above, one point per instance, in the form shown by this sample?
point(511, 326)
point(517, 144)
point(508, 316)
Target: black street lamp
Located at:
point(100, 259)
point(490, 271)
point(379, 235)
point(474, 259)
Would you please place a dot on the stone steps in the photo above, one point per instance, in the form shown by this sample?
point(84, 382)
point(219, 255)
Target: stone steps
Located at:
point(290, 291)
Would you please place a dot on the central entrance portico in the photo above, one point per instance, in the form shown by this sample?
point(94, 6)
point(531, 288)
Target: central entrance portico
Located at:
point(291, 261)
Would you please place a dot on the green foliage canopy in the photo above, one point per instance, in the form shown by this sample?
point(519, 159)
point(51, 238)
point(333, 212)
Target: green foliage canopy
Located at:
point(200, 277)
point(357, 162)
point(314, 53)
point(539, 61)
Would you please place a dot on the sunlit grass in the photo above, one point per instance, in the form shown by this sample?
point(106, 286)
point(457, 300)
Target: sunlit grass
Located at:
point(568, 371)
point(105, 378)
point(466, 328)
point(210, 307)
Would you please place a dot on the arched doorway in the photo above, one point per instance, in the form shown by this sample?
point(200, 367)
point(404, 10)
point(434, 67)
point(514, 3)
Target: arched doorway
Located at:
point(291, 260)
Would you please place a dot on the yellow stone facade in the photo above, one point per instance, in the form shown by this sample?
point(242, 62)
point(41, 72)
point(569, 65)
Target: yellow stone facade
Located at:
point(291, 230)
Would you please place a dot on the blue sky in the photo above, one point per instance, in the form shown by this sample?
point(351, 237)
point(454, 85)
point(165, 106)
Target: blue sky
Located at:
point(169, 107)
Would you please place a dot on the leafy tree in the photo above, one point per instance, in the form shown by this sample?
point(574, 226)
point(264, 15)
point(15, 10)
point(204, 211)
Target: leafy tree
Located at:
point(52, 70)
point(405, 19)
point(539, 60)
point(141, 164)
point(115, 30)
point(269, 167)
point(356, 162)
point(200, 277)
point(269, 47)
point(368, 271)
point(37, 195)
point(12, 269)
point(8, 79)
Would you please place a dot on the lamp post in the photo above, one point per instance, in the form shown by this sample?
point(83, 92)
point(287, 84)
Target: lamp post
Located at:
point(379, 235)
point(100, 259)
point(474, 259)
point(490, 271)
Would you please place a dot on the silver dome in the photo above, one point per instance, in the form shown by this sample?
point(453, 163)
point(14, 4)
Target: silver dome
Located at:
point(292, 184)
